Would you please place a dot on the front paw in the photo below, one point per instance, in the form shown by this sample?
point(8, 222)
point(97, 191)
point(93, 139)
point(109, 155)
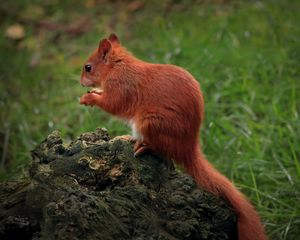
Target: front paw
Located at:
point(88, 99)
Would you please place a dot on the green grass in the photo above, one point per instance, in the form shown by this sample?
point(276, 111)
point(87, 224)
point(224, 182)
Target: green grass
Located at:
point(245, 56)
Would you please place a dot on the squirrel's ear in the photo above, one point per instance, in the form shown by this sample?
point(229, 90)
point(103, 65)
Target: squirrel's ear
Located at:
point(104, 49)
point(113, 38)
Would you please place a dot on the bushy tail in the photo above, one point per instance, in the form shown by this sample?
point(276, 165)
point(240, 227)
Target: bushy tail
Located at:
point(206, 176)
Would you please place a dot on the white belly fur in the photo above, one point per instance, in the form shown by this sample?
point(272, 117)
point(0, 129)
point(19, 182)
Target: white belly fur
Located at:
point(135, 133)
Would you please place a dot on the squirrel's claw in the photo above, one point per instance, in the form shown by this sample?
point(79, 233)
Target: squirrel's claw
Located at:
point(140, 148)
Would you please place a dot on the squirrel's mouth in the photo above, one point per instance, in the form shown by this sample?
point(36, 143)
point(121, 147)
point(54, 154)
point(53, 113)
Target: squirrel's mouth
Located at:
point(96, 90)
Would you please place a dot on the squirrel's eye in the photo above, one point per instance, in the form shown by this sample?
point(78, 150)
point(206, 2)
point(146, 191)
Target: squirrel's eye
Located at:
point(88, 67)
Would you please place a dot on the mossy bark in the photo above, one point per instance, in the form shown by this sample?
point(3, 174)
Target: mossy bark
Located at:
point(94, 188)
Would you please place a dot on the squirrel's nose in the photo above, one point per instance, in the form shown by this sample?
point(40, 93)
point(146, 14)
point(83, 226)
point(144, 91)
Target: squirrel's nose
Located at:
point(88, 67)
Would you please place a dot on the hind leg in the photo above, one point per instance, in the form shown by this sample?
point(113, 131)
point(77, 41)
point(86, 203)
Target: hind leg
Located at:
point(153, 136)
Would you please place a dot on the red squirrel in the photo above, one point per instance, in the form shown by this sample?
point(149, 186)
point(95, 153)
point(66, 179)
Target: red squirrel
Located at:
point(164, 105)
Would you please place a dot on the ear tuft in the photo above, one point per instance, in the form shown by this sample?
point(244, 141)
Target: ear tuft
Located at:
point(113, 38)
point(104, 49)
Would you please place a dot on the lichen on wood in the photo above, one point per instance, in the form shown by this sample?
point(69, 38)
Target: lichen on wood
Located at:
point(94, 188)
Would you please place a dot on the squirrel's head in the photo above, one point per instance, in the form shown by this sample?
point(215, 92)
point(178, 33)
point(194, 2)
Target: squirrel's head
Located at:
point(101, 62)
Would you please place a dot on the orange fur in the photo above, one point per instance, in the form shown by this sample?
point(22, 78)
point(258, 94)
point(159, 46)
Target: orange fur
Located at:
point(165, 106)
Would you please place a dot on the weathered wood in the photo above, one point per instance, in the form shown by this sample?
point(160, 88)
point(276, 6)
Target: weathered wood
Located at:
point(94, 188)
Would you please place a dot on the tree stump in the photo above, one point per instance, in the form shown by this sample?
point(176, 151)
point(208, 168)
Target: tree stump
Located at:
point(94, 188)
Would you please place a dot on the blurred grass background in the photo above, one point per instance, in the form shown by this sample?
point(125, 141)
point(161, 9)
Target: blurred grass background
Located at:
point(245, 54)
